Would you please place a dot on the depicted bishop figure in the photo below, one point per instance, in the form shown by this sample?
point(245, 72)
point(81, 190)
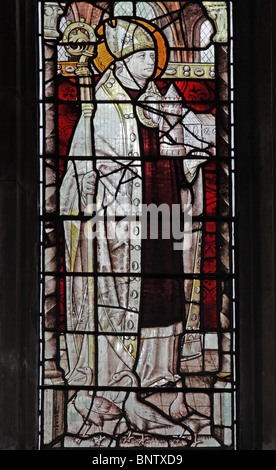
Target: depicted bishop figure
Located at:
point(121, 313)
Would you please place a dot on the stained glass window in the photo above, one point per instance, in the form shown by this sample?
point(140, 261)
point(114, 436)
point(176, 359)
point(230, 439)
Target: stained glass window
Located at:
point(137, 223)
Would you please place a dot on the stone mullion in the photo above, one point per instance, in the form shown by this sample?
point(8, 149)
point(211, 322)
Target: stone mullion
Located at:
point(54, 409)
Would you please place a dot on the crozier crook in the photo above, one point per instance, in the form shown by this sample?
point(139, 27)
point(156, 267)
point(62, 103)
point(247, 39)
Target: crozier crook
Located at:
point(81, 42)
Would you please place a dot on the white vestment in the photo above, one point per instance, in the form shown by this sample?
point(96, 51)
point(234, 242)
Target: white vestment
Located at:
point(98, 303)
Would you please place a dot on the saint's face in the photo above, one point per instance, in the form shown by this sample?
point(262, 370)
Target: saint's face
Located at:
point(141, 64)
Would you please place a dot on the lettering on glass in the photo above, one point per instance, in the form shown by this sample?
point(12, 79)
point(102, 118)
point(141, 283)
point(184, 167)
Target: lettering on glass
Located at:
point(137, 222)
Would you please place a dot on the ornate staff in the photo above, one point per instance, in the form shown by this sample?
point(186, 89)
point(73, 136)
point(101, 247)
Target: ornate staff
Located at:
point(80, 41)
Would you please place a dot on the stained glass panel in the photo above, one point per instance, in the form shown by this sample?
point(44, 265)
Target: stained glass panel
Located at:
point(137, 223)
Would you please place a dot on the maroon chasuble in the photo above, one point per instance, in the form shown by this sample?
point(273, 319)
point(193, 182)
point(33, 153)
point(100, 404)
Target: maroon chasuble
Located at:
point(162, 298)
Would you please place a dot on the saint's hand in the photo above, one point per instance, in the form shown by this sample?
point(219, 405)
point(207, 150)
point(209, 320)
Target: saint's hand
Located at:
point(191, 165)
point(89, 183)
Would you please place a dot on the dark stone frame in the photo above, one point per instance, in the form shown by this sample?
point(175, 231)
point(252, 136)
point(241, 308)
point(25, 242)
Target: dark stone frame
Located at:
point(255, 125)
point(19, 241)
